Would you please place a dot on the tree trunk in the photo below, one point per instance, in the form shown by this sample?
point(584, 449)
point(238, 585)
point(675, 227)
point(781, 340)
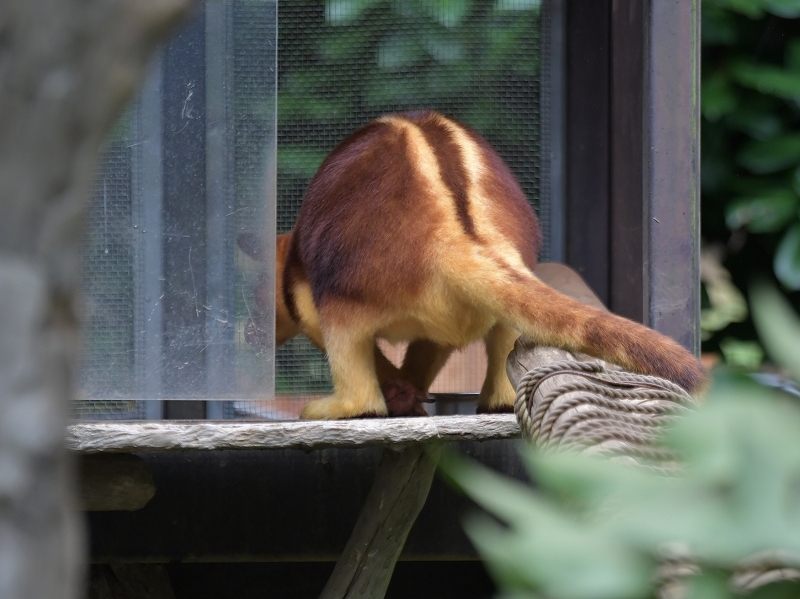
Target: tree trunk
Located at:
point(67, 67)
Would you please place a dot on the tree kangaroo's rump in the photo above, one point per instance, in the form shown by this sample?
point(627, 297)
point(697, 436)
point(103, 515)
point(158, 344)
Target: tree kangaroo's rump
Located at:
point(413, 229)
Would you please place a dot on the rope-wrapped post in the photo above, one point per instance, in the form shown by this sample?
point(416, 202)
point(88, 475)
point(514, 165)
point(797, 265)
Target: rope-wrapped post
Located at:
point(573, 402)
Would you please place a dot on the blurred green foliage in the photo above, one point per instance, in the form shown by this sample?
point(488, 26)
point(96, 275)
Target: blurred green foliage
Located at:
point(751, 146)
point(596, 529)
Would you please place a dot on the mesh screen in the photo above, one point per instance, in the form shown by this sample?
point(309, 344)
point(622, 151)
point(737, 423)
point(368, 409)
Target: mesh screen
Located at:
point(108, 289)
point(129, 355)
point(342, 64)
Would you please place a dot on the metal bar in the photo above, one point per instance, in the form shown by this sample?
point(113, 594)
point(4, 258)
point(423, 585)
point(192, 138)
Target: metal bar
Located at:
point(553, 93)
point(264, 204)
point(220, 324)
point(184, 305)
point(148, 195)
point(672, 216)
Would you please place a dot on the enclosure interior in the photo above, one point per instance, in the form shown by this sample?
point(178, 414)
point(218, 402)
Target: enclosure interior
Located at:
point(239, 110)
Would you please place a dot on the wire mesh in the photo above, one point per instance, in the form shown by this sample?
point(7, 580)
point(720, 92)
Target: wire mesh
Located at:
point(107, 376)
point(340, 64)
point(343, 64)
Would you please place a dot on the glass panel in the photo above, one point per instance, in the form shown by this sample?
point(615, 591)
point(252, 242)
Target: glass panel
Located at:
point(193, 165)
point(189, 167)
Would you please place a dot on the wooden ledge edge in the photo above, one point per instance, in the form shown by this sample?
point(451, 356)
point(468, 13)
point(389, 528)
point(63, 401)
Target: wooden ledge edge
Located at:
point(134, 436)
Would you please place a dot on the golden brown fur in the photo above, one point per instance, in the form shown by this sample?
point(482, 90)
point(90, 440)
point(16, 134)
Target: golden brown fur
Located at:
point(414, 229)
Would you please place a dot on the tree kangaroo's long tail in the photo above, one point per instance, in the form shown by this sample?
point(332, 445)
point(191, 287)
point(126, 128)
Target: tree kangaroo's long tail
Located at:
point(550, 318)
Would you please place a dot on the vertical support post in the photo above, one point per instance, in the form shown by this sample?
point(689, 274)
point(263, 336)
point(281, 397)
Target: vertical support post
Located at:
point(401, 486)
point(672, 150)
point(627, 200)
point(257, 171)
point(148, 266)
point(184, 217)
point(587, 150)
point(553, 95)
point(220, 316)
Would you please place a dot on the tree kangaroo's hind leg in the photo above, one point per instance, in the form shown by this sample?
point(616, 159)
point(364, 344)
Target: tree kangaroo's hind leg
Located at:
point(351, 355)
point(423, 361)
point(406, 390)
point(497, 393)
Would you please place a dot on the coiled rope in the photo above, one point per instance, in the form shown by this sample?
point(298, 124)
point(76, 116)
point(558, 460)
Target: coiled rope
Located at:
point(590, 406)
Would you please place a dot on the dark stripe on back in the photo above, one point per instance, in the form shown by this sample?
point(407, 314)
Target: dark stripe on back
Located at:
point(451, 164)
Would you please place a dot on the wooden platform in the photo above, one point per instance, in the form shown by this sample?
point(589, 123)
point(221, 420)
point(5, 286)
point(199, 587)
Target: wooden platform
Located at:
point(134, 436)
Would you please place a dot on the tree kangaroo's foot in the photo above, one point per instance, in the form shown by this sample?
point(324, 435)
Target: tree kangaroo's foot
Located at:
point(334, 408)
point(498, 402)
point(498, 409)
point(403, 398)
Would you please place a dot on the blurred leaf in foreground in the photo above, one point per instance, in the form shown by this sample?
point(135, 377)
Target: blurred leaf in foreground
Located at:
point(778, 326)
point(596, 529)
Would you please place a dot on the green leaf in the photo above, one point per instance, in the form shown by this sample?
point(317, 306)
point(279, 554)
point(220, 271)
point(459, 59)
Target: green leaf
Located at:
point(778, 326)
point(719, 26)
point(765, 213)
point(292, 106)
point(517, 5)
point(771, 155)
point(759, 122)
point(787, 259)
point(299, 161)
point(543, 548)
point(399, 50)
point(444, 50)
point(788, 9)
point(717, 96)
point(343, 12)
point(792, 54)
point(767, 79)
point(345, 44)
point(779, 590)
point(708, 586)
point(747, 355)
point(751, 8)
point(796, 181)
point(449, 13)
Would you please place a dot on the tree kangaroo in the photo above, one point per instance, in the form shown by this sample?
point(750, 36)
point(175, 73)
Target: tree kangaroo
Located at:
point(413, 229)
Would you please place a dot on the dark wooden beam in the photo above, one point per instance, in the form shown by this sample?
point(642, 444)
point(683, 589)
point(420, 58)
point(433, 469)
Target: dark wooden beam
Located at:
point(279, 505)
point(587, 122)
point(626, 261)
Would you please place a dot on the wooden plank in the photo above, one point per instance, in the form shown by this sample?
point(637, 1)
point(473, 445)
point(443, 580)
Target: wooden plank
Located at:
point(398, 493)
point(114, 482)
point(130, 581)
point(126, 437)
